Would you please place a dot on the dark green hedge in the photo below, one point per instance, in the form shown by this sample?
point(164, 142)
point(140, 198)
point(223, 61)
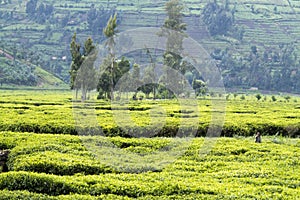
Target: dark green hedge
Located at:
point(169, 130)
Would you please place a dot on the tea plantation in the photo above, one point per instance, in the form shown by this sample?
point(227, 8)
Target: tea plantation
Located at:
point(49, 159)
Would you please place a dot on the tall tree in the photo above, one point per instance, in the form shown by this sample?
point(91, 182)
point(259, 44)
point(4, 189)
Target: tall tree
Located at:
point(149, 77)
point(87, 76)
point(82, 72)
point(104, 82)
point(135, 77)
point(120, 68)
point(110, 32)
point(218, 19)
point(31, 7)
point(77, 60)
point(174, 29)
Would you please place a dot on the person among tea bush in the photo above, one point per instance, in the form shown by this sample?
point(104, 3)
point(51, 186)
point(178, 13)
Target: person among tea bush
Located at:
point(258, 137)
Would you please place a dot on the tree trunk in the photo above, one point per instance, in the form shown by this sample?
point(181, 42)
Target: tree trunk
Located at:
point(112, 81)
point(76, 95)
point(83, 92)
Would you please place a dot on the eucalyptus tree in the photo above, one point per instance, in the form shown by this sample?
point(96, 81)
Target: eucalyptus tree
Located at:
point(110, 32)
point(174, 30)
point(77, 60)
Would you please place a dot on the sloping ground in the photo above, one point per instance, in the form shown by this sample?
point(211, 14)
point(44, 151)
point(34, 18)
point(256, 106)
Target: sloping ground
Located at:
point(267, 24)
point(44, 79)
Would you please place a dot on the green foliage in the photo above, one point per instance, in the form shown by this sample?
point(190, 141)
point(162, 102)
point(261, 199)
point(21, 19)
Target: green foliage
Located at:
point(14, 72)
point(287, 98)
point(16, 195)
point(23, 194)
point(33, 182)
point(48, 34)
point(109, 31)
point(200, 87)
point(52, 112)
point(77, 60)
point(219, 20)
point(109, 68)
point(120, 69)
point(82, 72)
point(258, 97)
point(260, 74)
point(236, 161)
point(174, 11)
point(57, 163)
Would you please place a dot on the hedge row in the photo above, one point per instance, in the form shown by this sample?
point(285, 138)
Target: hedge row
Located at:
point(67, 155)
point(56, 154)
point(58, 163)
point(169, 130)
point(124, 186)
point(148, 186)
point(25, 195)
point(39, 128)
point(203, 130)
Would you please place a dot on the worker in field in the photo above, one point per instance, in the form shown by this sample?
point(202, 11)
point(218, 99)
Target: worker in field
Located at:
point(258, 137)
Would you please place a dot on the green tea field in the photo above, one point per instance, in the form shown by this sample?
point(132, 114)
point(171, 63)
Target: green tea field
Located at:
point(49, 159)
point(53, 111)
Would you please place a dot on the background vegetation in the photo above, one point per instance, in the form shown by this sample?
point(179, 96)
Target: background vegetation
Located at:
point(259, 48)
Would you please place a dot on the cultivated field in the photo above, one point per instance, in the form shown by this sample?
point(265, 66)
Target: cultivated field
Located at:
point(46, 111)
point(49, 160)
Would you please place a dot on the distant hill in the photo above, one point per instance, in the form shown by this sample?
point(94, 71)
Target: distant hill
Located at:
point(48, 80)
point(15, 72)
point(41, 33)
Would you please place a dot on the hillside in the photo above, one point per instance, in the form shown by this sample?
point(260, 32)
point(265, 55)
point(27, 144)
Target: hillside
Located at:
point(18, 72)
point(48, 80)
point(41, 33)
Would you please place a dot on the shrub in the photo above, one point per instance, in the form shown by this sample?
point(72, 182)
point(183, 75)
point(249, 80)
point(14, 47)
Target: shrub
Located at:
point(287, 98)
point(243, 97)
point(58, 163)
point(38, 183)
point(17, 195)
point(258, 97)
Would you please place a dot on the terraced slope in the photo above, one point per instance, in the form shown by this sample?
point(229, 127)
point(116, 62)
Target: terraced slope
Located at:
point(266, 23)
